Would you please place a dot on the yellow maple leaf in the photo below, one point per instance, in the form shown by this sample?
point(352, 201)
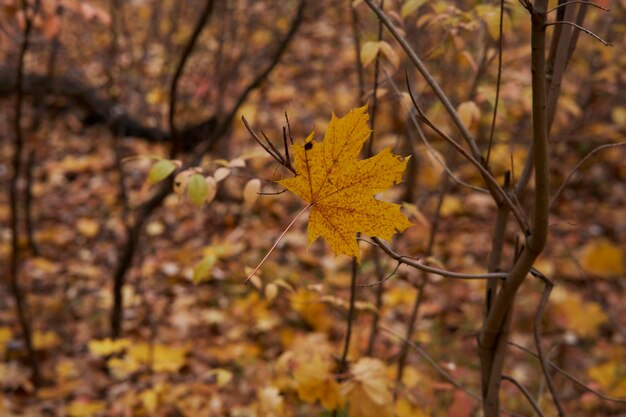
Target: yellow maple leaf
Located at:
point(340, 188)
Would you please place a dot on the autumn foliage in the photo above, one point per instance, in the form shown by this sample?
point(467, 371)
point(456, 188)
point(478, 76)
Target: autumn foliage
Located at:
point(177, 240)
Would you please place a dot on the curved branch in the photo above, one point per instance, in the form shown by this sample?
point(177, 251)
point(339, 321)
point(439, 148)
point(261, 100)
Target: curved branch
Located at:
point(571, 377)
point(588, 3)
point(542, 358)
point(427, 76)
point(407, 260)
point(438, 368)
point(587, 31)
point(258, 80)
point(18, 146)
point(578, 165)
point(204, 17)
point(524, 391)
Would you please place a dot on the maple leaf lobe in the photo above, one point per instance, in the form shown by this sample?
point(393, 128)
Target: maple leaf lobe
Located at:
point(341, 188)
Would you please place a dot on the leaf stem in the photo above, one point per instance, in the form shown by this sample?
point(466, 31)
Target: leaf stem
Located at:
point(276, 244)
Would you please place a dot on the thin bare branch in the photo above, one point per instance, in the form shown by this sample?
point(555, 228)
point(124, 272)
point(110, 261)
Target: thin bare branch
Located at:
point(343, 362)
point(571, 377)
point(286, 146)
point(387, 278)
point(262, 75)
point(204, 17)
point(16, 289)
point(370, 144)
point(415, 263)
point(429, 147)
point(578, 165)
point(438, 368)
point(270, 149)
point(587, 31)
point(491, 181)
point(498, 79)
point(288, 128)
point(542, 359)
point(588, 3)
point(357, 51)
point(427, 76)
point(271, 145)
point(524, 391)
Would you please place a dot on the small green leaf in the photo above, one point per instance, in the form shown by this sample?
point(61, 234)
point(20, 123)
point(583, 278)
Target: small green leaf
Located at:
point(202, 270)
point(197, 189)
point(410, 6)
point(160, 171)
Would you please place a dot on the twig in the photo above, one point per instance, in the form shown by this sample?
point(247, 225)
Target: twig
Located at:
point(18, 295)
point(413, 262)
point(286, 146)
point(379, 306)
point(588, 3)
point(357, 52)
point(442, 372)
point(382, 281)
point(349, 321)
point(498, 79)
point(579, 164)
point(427, 76)
point(570, 376)
point(258, 80)
point(288, 129)
point(489, 179)
point(587, 31)
point(419, 297)
point(269, 149)
point(191, 42)
point(537, 335)
point(28, 202)
point(370, 144)
point(429, 147)
point(271, 145)
point(493, 336)
point(127, 252)
point(524, 391)
point(431, 362)
point(254, 271)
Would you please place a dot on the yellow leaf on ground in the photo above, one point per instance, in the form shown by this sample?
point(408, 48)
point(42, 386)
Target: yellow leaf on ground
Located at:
point(404, 408)
point(340, 188)
point(271, 403)
point(315, 381)
point(45, 340)
point(368, 391)
point(5, 336)
point(87, 227)
point(584, 318)
point(602, 258)
point(106, 347)
point(611, 376)
point(168, 358)
point(83, 408)
point(313, 311)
